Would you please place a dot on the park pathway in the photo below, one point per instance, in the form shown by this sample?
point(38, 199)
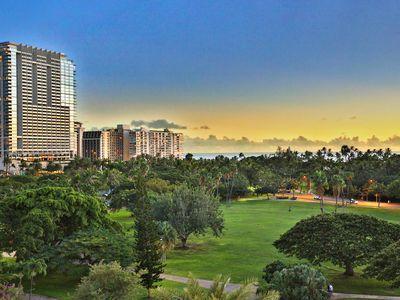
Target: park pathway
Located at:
point(38, 297)
point(233, 286)
point(202, 282)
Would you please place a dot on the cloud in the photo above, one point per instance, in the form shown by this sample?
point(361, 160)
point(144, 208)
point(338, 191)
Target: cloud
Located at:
point(157, 124)
point(225, 144)
point(203, 127)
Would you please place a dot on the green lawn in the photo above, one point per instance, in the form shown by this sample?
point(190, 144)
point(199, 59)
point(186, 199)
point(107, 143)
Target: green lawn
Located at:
point(243, 250)
point(246, 246)
point(62, 286)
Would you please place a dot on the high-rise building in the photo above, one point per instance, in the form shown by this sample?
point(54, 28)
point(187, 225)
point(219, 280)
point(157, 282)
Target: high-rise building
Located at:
point(79, 136)
point(96, 144)
point(125, 143)
point(37, 104)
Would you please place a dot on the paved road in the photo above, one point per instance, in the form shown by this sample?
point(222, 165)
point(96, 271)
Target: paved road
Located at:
point(359, 296)
point(233, 286)
point(202, 282)
point(330, 200)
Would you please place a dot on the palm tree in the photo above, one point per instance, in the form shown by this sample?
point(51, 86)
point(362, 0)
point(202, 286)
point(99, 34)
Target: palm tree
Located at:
point(378, 189)
point(321, 184)
point(338, 184)
point(217, 291)
point(168, 238)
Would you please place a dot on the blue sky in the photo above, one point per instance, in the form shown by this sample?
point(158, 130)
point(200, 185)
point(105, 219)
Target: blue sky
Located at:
point(216, 62)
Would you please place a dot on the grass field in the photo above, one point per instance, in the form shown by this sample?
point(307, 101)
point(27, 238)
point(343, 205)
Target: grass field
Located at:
point(244, 249)
point(246, 246)
point(62, 287)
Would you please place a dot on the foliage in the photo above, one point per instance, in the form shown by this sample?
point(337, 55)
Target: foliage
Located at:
point(270, 269)
point(190, 211)
point(237, 186)
point(167, 237)
point(92, 246)
point(158, 185)
point(11, 292)
point(36, 219)
point(320, 185)
point(393, 189)
point(108, 282)
point(300, 282)
point(385, 265)
point(147, 241)
point(33, 267)
point(346, 240)
point(272, 295)
point(193, 291)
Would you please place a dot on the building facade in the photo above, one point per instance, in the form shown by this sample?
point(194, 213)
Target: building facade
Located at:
point(124, 143)
point(37, 104)
point(158, 143)
point(79, 138)
point(96, 144)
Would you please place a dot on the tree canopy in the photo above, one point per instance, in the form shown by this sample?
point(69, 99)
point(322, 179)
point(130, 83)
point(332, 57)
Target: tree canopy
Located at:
point(190, 211)
point(344, 239)
point(35, 219)
point(386, 265)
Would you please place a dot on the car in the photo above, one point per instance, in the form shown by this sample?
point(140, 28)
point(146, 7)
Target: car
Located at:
point(352, 201)
point(316, 197)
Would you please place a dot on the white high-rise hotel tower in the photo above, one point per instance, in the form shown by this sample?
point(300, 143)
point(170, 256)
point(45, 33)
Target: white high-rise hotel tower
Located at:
point(37, 104)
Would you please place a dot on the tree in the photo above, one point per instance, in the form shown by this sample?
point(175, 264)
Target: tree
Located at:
point(22, 165)
point(292, 185)
point(147, 243)
point(266, 182)
point(108, 282)
point(321, 184)
point(338, 185)
point(7, 164)
point(378, 189)
point(346, 240)
point(90, 247)
point(190, 211)
point(270, 269)
point(31, 268)
point(193, 291)
point(385, 265)
point(300, 282)
point(51, 166)
point(35, 219)
point(167, 238)
point(393, 189)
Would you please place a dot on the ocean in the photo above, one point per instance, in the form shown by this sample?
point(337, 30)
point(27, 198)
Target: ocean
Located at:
point(226, 154)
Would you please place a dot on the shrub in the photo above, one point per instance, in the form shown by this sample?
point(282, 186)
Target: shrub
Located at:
point(300, 282)
point(11, 292)
point(270, 269)
point(108, 282)
point(385, 265)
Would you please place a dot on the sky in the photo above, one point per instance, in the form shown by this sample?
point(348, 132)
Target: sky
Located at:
point(241, 71)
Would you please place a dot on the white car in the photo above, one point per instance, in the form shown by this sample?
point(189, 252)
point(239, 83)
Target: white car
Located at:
point(352, 201)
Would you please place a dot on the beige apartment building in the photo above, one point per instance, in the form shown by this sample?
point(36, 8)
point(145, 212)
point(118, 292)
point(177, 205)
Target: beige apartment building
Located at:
point(125, 143)
point(37, 104)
